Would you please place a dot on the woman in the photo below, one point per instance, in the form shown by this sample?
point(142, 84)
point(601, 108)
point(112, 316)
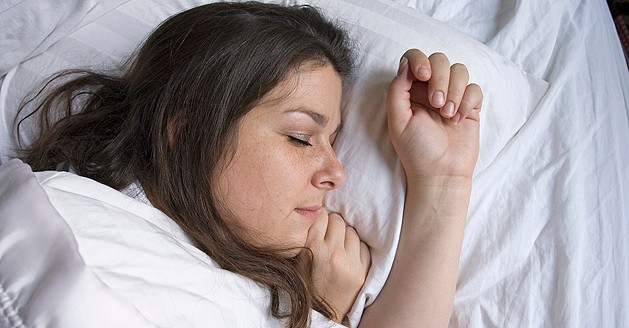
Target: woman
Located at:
point(225, 120)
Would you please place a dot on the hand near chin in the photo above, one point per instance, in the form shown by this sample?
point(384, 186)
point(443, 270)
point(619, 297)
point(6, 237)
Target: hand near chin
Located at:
point(433, 116)
point(340, 261)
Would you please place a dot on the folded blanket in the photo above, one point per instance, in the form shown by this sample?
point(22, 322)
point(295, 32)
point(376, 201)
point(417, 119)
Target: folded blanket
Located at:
point(43, 279)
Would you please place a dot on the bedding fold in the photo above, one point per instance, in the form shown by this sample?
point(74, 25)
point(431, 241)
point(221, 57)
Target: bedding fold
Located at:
point(125, 264)
point(44, 281)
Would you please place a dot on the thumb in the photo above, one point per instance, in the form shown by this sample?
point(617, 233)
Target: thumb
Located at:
point(399, 110)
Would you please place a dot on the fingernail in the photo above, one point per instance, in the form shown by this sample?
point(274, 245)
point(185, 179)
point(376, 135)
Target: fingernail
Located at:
point(423, 70)
point(448, 109)
point(438, 99)
point(403, 65)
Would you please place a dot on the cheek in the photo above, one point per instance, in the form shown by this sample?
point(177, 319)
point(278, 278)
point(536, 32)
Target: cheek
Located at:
point(260, 188)
point(257, 185)
point(275, 172)
point(240, 187)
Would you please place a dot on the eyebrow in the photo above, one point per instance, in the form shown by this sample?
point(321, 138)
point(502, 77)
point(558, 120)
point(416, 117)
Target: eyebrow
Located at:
point(321, 120)
point(318, 118)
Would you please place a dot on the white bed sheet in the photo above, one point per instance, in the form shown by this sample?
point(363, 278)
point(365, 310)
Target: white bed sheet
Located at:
point(373, 196)
point(547, 235)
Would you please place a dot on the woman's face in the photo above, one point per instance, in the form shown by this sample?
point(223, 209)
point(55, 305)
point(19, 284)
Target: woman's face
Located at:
point(283, 161)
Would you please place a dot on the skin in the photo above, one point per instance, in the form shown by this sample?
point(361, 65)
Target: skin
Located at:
point(283, 164)
point(438, 149)
point(433, 118)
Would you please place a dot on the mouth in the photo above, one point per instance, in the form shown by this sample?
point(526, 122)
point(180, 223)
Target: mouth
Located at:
point(311, 212)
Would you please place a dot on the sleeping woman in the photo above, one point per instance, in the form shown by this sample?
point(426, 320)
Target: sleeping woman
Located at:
point(225, 121)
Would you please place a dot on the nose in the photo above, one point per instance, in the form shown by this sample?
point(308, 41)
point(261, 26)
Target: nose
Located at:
point(331, 174)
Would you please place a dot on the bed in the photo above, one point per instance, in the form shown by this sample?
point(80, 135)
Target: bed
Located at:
point(547, 237)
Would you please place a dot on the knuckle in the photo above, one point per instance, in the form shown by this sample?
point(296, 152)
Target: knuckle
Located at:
point(409, 51)
point(413, 52)
point(438, 56)
point(439, 81)
point(458, 67)
point(336, 219)
point(466, 105)
point(475, 88)
point(455, 95)
point(460, 73)
point(338, 263)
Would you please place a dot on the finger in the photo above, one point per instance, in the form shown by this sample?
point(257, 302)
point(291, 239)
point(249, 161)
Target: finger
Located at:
point(439, 79)
point(352, 241)
point(456, 88)
point(335, 234)
point(318, 229)
point(419, 64)
point(365, 255)
point(471, 103)
point(398, 97)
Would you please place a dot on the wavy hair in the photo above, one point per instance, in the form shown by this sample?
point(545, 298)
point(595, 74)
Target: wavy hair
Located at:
point(171, 115)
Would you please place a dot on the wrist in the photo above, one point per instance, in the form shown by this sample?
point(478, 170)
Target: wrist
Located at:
point(443, 196)
point(439, 184)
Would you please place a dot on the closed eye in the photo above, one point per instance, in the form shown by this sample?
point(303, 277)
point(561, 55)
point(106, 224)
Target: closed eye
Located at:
point(298, 141)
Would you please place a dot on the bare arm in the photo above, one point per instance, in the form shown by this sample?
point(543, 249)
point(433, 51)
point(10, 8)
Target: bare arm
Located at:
point(420, 289)
point(438, 149)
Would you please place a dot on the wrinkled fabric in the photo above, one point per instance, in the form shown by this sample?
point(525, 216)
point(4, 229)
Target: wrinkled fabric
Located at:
point(44, 281)
point(547, 232)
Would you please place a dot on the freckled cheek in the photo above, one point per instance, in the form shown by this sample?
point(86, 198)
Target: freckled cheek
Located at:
point(273, 175)
point(267, 178)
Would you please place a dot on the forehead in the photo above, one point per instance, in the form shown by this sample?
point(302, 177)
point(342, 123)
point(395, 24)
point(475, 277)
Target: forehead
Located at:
point(318, 89)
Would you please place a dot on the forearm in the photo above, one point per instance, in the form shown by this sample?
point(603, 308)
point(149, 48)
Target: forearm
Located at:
point(419, 291)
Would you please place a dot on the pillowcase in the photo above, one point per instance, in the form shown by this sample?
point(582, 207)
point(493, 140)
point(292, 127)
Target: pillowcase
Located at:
point(372, 198)
point(28, 27)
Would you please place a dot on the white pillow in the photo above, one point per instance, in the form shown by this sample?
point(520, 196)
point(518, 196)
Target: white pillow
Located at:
point(28, 27)
point(372, 198)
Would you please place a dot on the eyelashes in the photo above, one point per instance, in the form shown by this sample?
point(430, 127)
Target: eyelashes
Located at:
point(304, 143)
point(299, 141)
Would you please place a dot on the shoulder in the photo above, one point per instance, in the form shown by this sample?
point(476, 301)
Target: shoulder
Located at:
point(146, 258)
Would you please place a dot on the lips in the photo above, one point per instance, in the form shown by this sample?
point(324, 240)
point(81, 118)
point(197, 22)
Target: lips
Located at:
point(311, 212)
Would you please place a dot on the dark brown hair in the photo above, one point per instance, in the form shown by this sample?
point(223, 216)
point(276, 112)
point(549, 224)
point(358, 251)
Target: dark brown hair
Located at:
point(172, 114)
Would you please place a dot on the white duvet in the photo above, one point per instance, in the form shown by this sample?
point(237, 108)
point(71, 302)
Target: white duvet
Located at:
point(547, 232)
point(143, 270)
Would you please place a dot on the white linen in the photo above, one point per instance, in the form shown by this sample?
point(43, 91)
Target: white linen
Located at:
point(146, 258)
point(43, 279)
point(140, 269)
point(547, 230)
point(28, 27)
point(372, 198)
